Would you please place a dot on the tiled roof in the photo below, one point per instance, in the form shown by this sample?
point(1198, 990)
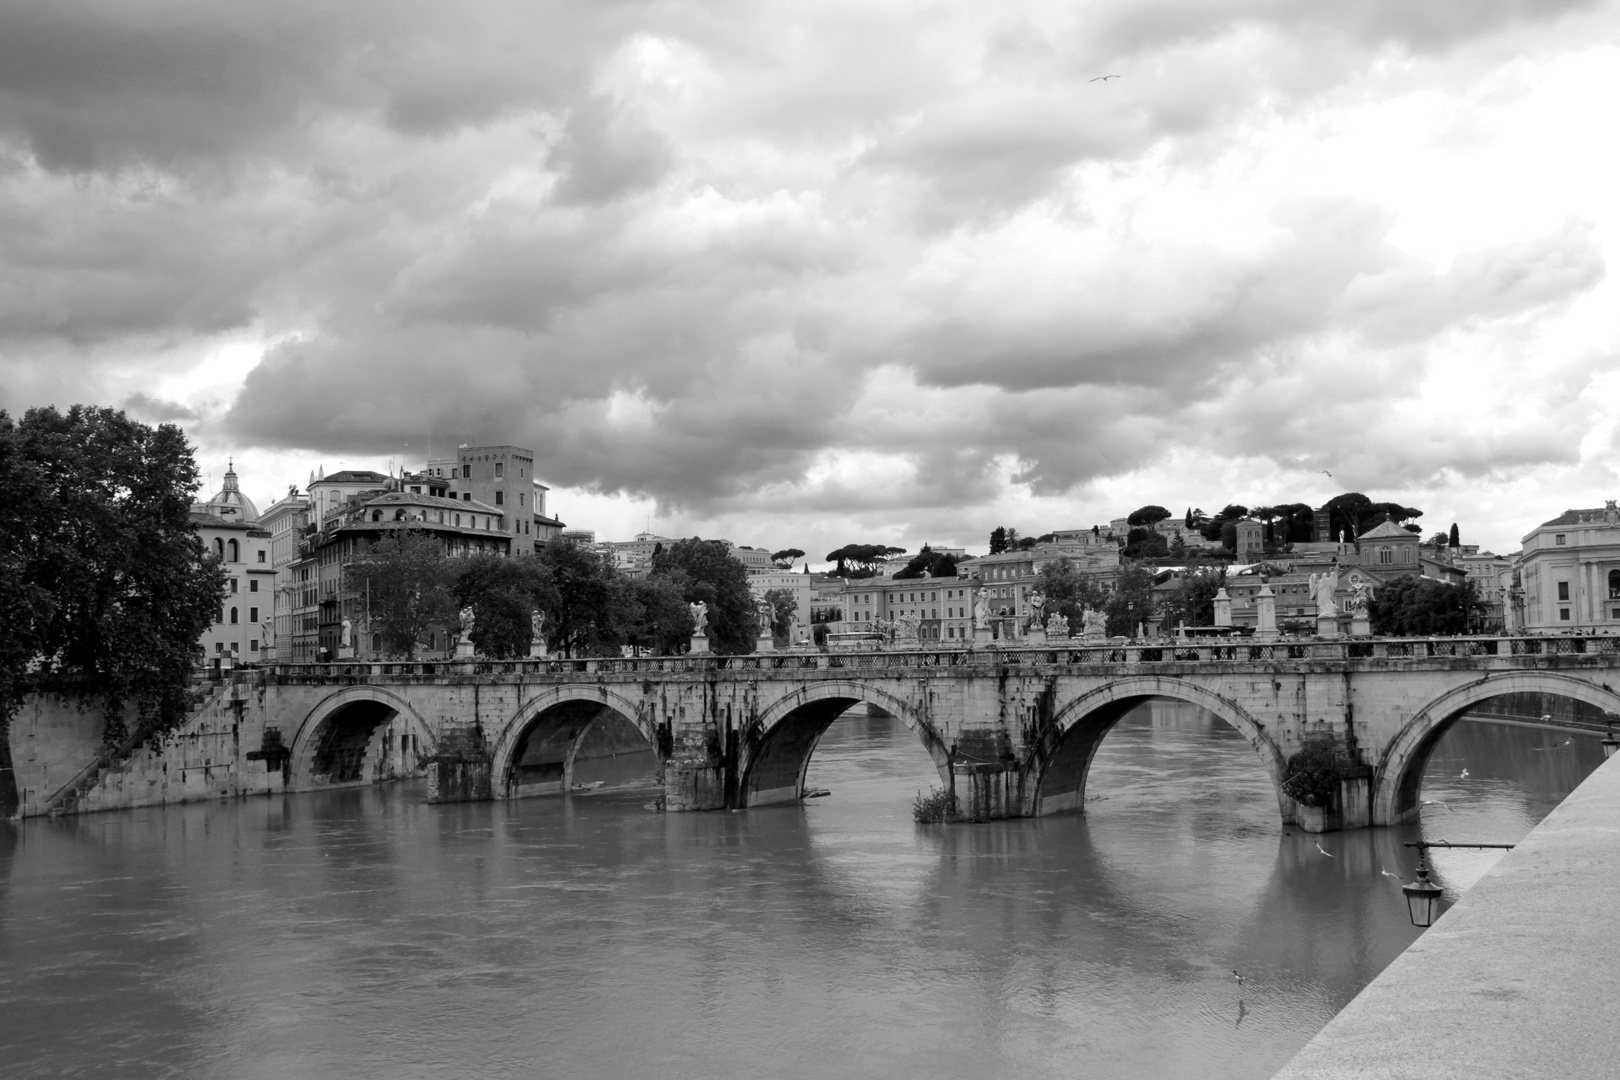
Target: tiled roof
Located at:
point(1387, 530)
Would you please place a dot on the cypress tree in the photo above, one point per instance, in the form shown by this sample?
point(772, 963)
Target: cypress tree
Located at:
point(1454, 541)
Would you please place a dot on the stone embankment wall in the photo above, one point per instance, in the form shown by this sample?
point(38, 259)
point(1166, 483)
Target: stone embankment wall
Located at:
point(52, 741)
point(222, 750)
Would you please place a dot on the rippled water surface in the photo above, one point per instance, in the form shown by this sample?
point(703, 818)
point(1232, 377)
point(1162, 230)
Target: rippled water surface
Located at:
point(362, 933)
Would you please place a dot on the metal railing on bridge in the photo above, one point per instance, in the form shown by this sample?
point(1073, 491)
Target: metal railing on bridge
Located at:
point(1073, 654)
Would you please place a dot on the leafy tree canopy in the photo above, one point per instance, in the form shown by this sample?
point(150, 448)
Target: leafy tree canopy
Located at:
point(1418, 606)
point(861, 560)
point(409, 587)
point(1193, 600)
point(1147, 515)
point(998, 540)
point(703, 570)
point(104, 584)
point(1212, 528)
point(503, 594)
point(785, 557)
point(1144, 543)
point(928, 563)
point(585, 618)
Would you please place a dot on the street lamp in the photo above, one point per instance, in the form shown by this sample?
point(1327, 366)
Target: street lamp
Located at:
point(1422, 896)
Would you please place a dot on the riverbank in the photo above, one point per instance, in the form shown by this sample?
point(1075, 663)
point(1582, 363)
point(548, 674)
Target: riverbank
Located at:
point(1514, 981)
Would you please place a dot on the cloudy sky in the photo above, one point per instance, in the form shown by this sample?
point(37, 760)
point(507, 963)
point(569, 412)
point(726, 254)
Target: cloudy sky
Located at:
point(816, 273)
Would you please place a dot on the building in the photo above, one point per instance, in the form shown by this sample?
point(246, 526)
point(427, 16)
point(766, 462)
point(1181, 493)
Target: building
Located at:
point(244, 618)
point(229, 504)
point(943, 607)
point(1569, 570)
point(286, 520)
point(415, 502)
point(1009, 578)
point(1492, 577)
point(792, 581)
point(1251, 540)
point(754, 560)
point(502, 477)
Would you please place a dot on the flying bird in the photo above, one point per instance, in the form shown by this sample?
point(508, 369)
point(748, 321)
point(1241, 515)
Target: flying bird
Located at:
point(1329, 854)
point(1545, 717)
point(1104, 78)
point(1238, 975)
point(1397, 877)
point(1464, 775)
point(1324, 472)
point(1437, 802)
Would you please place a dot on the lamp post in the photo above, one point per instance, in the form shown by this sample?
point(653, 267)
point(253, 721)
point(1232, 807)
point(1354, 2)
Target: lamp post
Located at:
point(1423, 895)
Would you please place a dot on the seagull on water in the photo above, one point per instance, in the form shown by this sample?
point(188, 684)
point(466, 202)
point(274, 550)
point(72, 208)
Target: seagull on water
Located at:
point(1319, 847)
point(1238, 975)
point(1436, 802)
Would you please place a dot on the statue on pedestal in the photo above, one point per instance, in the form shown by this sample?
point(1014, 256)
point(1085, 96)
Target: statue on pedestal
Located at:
point(700, 618)
point(981, 610)
point(346, 635)
point(907, 627)
point(1037, 604)
point(468, 618)
point(1322, 587)
point(1057, 626)
point(766, 612)
point(1094, 623)
point(1360, 596)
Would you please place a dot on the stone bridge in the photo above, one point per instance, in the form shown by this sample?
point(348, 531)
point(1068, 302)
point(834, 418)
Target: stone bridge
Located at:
point(1012, 731)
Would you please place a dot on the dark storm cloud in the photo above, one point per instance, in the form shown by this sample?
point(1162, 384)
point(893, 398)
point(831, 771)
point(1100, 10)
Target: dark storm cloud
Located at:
point(157, 410)
point(688, 252)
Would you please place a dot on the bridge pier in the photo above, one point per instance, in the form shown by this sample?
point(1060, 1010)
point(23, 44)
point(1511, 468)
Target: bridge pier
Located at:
point(988, 791)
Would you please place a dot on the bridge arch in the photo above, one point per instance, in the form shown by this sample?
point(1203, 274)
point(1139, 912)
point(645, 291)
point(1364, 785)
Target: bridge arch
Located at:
point(774, 749)
point(334, 743)
point(1063, 758)
point(1399, 778)
point(554, 722)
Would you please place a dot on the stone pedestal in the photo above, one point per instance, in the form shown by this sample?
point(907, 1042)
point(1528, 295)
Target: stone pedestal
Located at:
point(1327, 626)
point(1223, 608)
point(537, 650)
point(464, 649)
point(1265, 608)
point(1035, 637)
point(764, 644)
point(700, 643)
point(981, 636)
point(1359, 626)
point(345, 652)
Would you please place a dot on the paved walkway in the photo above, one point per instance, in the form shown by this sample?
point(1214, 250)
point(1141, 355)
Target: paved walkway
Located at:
point(1520, 979)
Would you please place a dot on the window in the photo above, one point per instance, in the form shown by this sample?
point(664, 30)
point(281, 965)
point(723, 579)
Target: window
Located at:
point(253, 584)
point(1563, 614)
point(466, 471)
point(1559, 539)
point(253, 644)
point(466, 496)
point(233, 585)
point(1614, 584)
point(500, 498)
point(253, 614)
point(500, 470)
point(261, 555)
point(520, 500)
point(1563, 590)
point(236, 551)
point(233, 616)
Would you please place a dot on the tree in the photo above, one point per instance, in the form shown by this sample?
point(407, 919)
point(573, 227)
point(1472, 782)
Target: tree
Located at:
point(1130, 603)
point(784, 606)
point(1345, 514)
point(1418, 606)
point(104, 584)
point(1193, 599)
point(1144, 543)
point(1069, 592)
point(785, 557)
point(928, 563)
point(503, 594)
point(1454, 539)
point(585, 619)
point(998, 540)
point(652, 616)
point(703, 570)
point(1296, 519)
point(408, 583)
point(861, 560)
point(1148, 516)
point(1212, 527)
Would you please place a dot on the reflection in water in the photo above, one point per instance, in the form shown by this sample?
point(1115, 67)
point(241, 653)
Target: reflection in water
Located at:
point(361, 933)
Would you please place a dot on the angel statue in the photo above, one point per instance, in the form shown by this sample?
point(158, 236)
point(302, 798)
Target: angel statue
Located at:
point(1094, 623)
point(1322, 587)
point(1057, 625)
point(537, 624)
point(700, 618)
point(467, 619)
point(1037, 603)
point(981, 610)
point(767, 616)
point(1360, 596)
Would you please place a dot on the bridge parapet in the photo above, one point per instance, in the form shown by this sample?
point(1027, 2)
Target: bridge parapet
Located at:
point(1129, 655)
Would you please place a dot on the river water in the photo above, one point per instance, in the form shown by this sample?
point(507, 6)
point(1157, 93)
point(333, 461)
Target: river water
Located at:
point(361, 933)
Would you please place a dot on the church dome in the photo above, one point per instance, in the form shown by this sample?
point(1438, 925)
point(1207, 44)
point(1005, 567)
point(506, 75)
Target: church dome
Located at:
point(229, 503)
